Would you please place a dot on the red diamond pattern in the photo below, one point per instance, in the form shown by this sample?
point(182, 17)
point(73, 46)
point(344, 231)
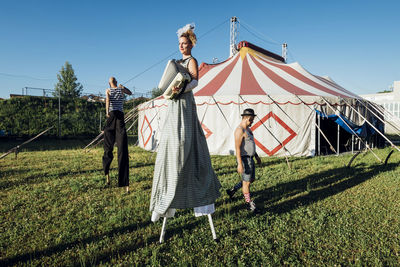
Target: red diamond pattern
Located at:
point(208, 131)
point(292, 134)
point(145, 120)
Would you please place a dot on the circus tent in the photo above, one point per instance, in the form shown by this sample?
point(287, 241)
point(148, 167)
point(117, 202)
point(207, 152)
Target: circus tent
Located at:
point(284, 97)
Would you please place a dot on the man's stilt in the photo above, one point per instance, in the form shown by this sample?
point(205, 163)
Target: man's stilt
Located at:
point(163, 230)
point(212, 227)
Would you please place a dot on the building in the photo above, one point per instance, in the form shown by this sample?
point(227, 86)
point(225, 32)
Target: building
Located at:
point(391, 102)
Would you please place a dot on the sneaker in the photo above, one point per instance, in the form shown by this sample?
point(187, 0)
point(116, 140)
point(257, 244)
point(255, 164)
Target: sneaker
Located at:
point(251, 206)
point(230, 193)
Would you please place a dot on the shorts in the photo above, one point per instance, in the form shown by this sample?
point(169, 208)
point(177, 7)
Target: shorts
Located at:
point(249, 172)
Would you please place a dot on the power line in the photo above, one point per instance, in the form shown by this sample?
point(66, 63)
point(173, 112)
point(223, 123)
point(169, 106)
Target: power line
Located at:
point(219, 25)
point(137, 75)
point(23, 76)
point(172, 54)
point(152, 66)
point(270, 40)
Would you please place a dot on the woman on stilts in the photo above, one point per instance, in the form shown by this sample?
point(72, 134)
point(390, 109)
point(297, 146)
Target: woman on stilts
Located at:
point(183, 174)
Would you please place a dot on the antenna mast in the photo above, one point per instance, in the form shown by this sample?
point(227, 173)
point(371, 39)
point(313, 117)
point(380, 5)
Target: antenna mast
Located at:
point(284, 51)
point(233, 41)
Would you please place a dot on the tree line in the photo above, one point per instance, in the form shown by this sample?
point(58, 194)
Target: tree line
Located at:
point(29, 115)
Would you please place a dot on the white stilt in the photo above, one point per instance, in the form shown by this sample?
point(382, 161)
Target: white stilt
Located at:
point(163, 230)
point(212, 226)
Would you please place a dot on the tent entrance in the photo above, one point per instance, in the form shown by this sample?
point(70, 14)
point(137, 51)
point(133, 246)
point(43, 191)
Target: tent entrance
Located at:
point(341, 140)
point(344, 135)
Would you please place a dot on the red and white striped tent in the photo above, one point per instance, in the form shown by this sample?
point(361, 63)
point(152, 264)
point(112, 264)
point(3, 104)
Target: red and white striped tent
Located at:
point(283, 96)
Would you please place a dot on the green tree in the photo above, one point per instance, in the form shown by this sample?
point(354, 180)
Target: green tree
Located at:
point(156, 92)
point(67, 82)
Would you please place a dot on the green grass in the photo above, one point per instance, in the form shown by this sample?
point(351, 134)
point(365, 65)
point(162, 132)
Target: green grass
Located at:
point(56, 210)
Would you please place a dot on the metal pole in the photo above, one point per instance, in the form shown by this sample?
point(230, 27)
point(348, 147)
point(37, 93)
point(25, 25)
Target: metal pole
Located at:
point(390, 142)
point(394, 125)
point(214, 235)
point(233, 35)
point(284, 147)
point(338, 139)
point(319, 135)
point(318, 127)
point(100, 122)
point(24, 143)
point(359, 138)
point(163, 230)
point(284, 51)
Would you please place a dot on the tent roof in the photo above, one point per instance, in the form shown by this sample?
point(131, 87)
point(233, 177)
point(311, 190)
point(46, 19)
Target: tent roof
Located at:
point(252, 71)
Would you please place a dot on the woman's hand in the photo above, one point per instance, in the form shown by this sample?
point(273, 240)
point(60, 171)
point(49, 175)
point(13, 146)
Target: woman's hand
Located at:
point(176, 89)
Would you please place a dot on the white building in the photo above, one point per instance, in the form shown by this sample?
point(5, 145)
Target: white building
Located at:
point(391, 102)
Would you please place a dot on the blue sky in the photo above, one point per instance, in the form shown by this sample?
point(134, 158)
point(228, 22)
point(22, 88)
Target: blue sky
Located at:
point(356, 43)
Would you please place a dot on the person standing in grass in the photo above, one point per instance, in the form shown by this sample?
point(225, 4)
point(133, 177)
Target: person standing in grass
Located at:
point(245, 148)
point(114, 131)
point(183, 174)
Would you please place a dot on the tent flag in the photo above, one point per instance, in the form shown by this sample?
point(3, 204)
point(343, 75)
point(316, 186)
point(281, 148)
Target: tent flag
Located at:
point(363, 131)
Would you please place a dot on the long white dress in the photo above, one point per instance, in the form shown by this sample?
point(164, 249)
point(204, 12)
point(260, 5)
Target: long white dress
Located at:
point(183, 174)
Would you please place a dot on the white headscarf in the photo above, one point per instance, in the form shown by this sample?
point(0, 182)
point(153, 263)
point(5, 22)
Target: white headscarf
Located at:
point(185, 28)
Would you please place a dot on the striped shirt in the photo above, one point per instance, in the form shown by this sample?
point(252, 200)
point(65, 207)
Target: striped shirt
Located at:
point(116, 99)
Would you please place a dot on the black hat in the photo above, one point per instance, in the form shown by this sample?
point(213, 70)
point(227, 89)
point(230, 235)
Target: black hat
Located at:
point(248, 112)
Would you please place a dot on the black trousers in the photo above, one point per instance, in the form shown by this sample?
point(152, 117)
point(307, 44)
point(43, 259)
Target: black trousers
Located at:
point(114, 131)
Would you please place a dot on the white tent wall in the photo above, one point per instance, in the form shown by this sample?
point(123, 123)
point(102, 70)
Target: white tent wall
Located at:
point(284, 125)
point(151, 119)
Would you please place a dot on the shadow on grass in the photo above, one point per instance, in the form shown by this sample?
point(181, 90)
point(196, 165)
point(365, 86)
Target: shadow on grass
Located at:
point(174, 227)
point(27, 257)
point(43, 144)
point(231, 169)
point(315, 187)
point(39, 178)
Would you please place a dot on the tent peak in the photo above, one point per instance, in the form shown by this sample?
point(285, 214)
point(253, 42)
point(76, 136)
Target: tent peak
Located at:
point(261, 50)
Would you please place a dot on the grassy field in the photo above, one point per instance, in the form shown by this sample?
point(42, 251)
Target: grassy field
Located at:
point(55, 209)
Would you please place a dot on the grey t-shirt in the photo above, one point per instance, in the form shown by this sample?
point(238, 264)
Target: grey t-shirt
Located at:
point(248, 146)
